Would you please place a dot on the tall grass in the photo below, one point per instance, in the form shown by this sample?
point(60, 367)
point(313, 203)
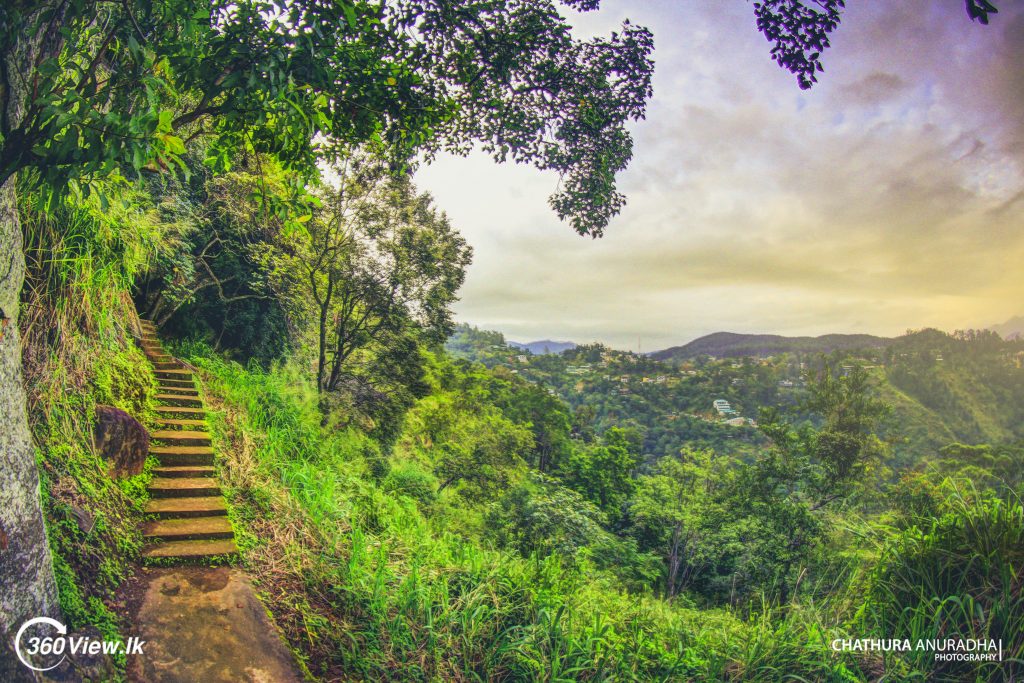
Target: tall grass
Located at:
point(367, 589)
point(960, 576)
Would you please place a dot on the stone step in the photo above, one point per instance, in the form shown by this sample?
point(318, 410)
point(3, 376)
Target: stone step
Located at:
point(186, 391)
point(172, 456)
point(190, 550)
point(185, 471)
point(177, 508)
point(198, 425)
point(162, 365)
point(182, 383)
point(188, 528)
point(185, 459)
point(181, 437)
point(175, 373)
point(181, 411)
point(177, 401)
point(183, 487)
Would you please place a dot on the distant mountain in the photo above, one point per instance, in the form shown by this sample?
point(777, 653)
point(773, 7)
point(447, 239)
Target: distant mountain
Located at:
point(539, 348)
point(1011, 329)
point(730, 344)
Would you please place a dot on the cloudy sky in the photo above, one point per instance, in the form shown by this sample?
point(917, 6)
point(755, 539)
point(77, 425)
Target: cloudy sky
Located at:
point(891, 196)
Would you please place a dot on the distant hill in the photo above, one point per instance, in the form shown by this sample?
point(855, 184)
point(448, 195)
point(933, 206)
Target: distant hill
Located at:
point(539, 348)
point(1011, 329)
point(730, 344)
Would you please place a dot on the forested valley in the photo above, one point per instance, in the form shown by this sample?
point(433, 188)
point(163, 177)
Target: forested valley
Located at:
point(415, 499)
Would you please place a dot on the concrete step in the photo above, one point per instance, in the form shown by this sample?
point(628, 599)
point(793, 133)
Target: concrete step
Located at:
point(183, 487)
point(191, 425)
point(190, 550)
point(177, 508)
point(162, 365)
point(173, 456)
point(185, 471)
point(181, 437)
point(178, 401)
point(188, 528)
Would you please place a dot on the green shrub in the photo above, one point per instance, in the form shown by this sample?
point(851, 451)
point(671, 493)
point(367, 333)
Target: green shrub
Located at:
point(413, 480)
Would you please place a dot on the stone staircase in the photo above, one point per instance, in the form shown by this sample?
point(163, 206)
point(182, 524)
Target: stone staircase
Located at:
point(189, 517)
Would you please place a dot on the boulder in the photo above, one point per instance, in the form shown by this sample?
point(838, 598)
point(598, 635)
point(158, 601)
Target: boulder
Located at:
point(121, 440)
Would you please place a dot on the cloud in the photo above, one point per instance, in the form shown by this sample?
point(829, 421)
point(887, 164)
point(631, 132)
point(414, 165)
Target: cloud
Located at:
point(886, 198)
point(876, 88)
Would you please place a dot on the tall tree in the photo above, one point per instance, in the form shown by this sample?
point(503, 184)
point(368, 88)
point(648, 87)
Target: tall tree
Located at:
point(376, 262)
point(27, 586)
point(674, 511)
point(806, 470)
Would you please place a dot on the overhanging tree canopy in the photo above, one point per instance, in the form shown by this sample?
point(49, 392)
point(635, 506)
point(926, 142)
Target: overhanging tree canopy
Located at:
point(121, 86)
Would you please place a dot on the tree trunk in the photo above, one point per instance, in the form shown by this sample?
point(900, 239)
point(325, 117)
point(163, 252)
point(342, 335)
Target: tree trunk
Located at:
point(674, 561)
point(27, 586)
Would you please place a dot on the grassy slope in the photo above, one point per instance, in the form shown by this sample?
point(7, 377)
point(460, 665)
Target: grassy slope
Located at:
point(92, 520)
point(975, 416)
point(366, 588)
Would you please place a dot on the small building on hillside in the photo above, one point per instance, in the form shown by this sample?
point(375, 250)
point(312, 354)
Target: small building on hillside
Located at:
point(723, 407)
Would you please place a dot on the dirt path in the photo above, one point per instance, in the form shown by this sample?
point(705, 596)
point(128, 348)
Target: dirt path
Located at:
point(204, 624)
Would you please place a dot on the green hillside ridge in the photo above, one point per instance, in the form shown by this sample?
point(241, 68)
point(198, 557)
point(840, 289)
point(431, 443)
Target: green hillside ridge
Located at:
point(733, 345)
point(971, 395)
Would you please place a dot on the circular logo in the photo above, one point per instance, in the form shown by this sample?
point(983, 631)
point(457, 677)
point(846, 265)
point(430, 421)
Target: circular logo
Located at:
point(41, 646)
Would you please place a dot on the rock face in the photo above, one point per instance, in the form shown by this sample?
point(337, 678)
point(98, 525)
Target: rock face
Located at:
point(204, 624)
point(27, 586)
point(121, 440)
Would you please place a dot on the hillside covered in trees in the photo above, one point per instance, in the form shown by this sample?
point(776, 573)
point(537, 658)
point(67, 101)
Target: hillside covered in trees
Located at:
point(940, 388)
point(414, 499)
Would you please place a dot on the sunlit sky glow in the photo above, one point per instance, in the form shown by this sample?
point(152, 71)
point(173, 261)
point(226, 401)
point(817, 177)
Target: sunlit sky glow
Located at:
point(891, 196)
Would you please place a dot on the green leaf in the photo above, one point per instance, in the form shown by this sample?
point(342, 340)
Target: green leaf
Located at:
point(350, 14)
